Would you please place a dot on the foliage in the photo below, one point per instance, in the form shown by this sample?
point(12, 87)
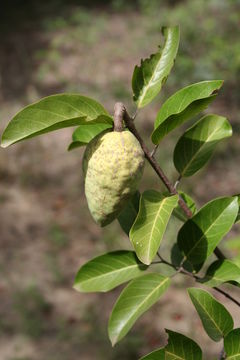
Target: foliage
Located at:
point(146, 216)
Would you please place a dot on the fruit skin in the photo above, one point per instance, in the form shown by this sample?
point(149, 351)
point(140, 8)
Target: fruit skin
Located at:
point(113, 165)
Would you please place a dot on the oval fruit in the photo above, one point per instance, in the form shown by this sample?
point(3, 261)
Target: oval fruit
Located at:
point(113, 165)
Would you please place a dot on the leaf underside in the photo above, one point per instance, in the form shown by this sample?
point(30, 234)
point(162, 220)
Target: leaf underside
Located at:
point(215, 318)
point(107, 271)
point(137, 297)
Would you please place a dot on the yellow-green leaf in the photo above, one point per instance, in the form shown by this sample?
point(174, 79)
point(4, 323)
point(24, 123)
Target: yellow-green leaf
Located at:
point(215, 318)
point(53, 113)
point(149, 77)
point(183, 105)
point(137, 297)
point(196, 145)
point(148, 229)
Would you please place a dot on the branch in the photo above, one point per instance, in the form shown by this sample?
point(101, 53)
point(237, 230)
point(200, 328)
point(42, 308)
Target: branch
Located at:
point(188, 273)
point(151, 159)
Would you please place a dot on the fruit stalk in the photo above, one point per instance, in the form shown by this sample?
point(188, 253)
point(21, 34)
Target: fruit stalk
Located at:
point(119, 110)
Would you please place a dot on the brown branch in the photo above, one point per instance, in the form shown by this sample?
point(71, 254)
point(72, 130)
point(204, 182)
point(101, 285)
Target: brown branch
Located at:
point(227, 295)
point(188, 273)
point(151, 159)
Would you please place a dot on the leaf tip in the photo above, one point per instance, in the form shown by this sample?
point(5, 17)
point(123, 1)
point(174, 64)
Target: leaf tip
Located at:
point(113, 339)
point(5, 144)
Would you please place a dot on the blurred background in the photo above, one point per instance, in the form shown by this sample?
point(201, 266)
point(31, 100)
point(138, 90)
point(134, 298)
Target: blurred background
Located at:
point(47, 233)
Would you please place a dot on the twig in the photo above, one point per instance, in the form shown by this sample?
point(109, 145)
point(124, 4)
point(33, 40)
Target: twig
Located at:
point(196, 277)
point(151, 159)
point(227, 295)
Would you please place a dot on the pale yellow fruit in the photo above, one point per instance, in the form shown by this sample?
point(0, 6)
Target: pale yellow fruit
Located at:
point(113, 164)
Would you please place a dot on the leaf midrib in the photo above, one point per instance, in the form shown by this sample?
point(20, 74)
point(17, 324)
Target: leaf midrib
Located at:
point(153, 226)
point(172, 354)
point(233, 356)
point(114, 272)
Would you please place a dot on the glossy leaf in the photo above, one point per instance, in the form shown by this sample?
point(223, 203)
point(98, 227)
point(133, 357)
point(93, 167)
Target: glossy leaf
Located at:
point(85, 133)
point(179, 347)
point(178, 211)
point(238, 216)
point(215, 318)
point(150, 224)
point(183, 105)
point(200, 235)
point(129, 213)
point(53, 113)
point(155, 355)
point(196, 145)
point(232, 345)
point(137, 297)
point(177, 259)
point(221, 271)
point(149, 77)
point(107, 271)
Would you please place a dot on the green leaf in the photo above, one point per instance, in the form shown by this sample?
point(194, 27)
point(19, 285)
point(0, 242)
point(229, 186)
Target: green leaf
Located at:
point(221, 271)
point(232, 345)
point(200, 235)
point(150, 224)
point(85, 133)
point(178, 211)
point(137, 297)
point(53, 113)
point(107, 271)
point(149, 77)
point(238, 216)
point(129, 213)
point(155, 355)
point(197, 144)
point(183, 105)
point(179, 347)
point(215, 318)
point(177, 258)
